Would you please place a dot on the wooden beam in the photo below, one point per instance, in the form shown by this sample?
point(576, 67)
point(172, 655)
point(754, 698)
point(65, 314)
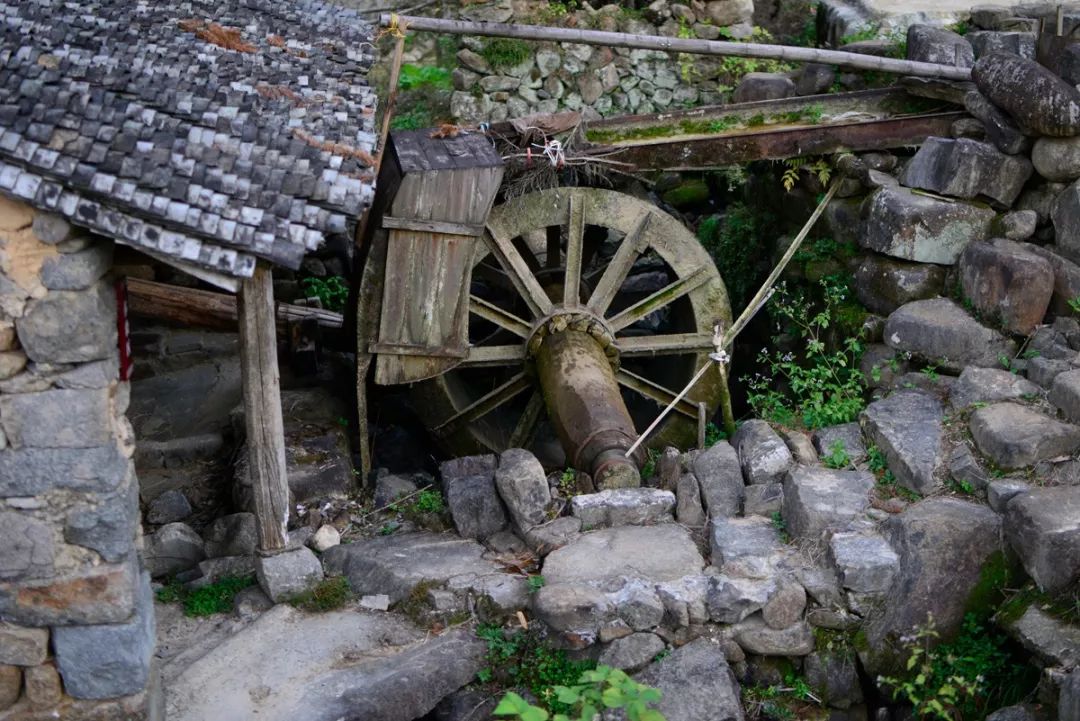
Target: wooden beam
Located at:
point(262, 410)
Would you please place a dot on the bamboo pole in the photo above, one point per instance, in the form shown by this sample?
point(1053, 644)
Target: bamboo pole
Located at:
point(682, 45)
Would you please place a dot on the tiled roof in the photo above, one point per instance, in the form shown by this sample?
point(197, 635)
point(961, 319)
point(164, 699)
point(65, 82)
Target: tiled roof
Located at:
point(213, 131)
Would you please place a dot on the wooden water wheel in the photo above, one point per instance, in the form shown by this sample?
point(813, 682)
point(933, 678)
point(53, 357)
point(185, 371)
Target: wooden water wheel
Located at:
point(613, 268)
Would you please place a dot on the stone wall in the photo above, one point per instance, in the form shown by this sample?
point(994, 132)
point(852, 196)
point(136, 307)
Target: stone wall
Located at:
point(597, 81)
point(76, 610)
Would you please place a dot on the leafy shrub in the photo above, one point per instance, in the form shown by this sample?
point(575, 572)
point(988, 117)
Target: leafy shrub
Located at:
point(824, 386)
point(837, 456)
point(332, 292)
point(423, 76)
point(735, 242)
point(505, 52)
point(523, 660)
point(595, 691)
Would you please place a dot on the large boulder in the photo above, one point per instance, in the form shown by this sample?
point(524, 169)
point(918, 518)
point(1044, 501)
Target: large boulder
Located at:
point(819, 499)
point(944, 545)
point(966, 168)
point(1043, 527)
point(940, 331)
point(1007, 282)
point(916, 227)
point(1057, 159)
point(883, 284)
point(1014, 435)
point(1065, 214)
point(932, 44)
point(696, 684)
point(1040, 102)
point(907, 428)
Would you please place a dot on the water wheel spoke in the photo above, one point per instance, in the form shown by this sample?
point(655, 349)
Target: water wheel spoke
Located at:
point(663, 297)
point(519, 272)
point(607, 287)
point(655, 392)
point(486, 403)
point(526, 425)
point(670, 344)
point(493, 276)
point(575, 239)
point(502, 318)
point(494, 355)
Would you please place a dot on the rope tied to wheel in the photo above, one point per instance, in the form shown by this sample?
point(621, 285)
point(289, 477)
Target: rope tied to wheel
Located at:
point(723, 339)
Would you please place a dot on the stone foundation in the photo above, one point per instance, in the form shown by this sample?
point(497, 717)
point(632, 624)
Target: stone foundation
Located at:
point(76, 610)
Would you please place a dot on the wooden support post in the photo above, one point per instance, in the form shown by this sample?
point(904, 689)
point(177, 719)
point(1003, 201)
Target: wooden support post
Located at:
point(702, 422)
point(262, 410)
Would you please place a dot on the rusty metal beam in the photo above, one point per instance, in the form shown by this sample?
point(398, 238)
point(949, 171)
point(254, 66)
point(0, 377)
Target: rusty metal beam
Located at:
point(703, 152)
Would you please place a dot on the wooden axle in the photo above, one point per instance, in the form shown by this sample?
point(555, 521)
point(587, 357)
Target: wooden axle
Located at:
point(692, 46)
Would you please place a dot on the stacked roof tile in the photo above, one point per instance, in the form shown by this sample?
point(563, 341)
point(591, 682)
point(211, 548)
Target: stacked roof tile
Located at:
point(212, 131)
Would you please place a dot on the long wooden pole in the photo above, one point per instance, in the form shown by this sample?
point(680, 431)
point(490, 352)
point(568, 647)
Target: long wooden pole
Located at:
point(262, 411)
point(682, 45)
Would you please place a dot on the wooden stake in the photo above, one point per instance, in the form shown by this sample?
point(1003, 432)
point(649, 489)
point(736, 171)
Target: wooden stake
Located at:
point(262, 410)
point(682, 45)
point(702, 421)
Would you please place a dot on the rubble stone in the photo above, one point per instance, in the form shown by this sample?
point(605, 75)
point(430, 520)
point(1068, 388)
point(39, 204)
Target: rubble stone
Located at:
point(287, 574)
point(907, 428)
point(1014, 435)
point(884, 284)
point(1007, 282)
point(1057, 159)
point(965, 168)
point(173, 548)
point(632, 652)
point(1043, 527)
point(820, 499)
point(865, 562)
point(1040, 102)
point(915, 227)
point(931, 44)
point(989, 385)
point(940, 331)
point(696, 683)
point(524, 488)
point(719, 475)
point(623, 507)
point(763, 455)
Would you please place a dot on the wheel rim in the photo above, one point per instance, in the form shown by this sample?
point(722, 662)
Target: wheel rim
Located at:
point(591, 253)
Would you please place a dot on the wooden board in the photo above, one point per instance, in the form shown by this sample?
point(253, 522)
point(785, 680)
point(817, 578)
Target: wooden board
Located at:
point(445, 184)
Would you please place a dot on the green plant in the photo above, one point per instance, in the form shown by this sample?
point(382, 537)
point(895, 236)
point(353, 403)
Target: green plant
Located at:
point(327, 595)
point(595, 691)
point(1074, 304)
point(962, 679)
point(735, 242)
point(505, 52)
point(780, 525)
point(388, 528)
point(886, 481)
point(536, 583)
point(824, 385)
point(930, 372)
point(206, 600)
point(416, 117)
point(819, 168)
point(867, 32)
point(713, 434)
point(791, 701)
point(837, 456)
point(423, 76)
point(427, 501)
point(521, 659)
point(652, 456)
point(332, 292)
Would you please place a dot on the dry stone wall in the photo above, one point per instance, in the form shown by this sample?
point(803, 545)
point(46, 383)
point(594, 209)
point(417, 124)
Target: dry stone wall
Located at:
point(76, 610)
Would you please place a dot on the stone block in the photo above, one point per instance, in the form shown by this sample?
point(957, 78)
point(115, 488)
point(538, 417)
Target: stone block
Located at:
point(763, 86)
point(573, 609)
point(26, 547)
point(846, 436)
point(1065, 393)
point(688, 508)
point(1057, 159)
point(999, 128)
point(763, 455)
point(43, 689)
point(939, 331)
point(1041, 526)
point(108, 660)
point(764, 499)
point(835, 678)
point(632, 652)
point(932, 44)
point(1014, 435)
point(819, 499)
point(77, 271)
point(884, 284)
point(169, 507)
point(10, 685)
point(915, 227)
point(1019, 224)
point(100, 594)
point(745, 547)
point(990, 385)
point(325, 538)
point(523, 487)
point(1040, 102)
point(865, 562)
point(173, 548)
point(70, 326)
point(469, 487)
point(696, 683)
point(213, 570)
point(1066, 278)
point(965, 168)
point(231, 535)
point(1005, 281)
point(550, 536)
point(755, 637)
point(907, 428)
point(627, 552)
point(22, 646)
point(1003, 490)
point(785, 606)
point(1017, 43)
point(719, 475)
point(730, 599)
point(58, 418)
point(285, 575)
point(1052, 641)
point(109, 526)
point(623, 507)
point(52, 229)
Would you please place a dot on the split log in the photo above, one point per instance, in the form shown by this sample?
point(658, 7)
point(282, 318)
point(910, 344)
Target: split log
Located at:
point(203, 308)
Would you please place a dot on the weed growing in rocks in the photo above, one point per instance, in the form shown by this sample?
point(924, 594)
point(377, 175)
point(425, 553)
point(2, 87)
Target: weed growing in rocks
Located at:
point(332, 292)
point(596, 690)
point(652, 456)
point(207, 600)
point(823, 385)
point(781, 526)
point(327, 595)
point(961, 679)
point(791, 701)
point(837, 457)
point(713, 434)
point(506, 52)
point(886, 486)
point(536, 583)
point(522, 659)
point(734, 240)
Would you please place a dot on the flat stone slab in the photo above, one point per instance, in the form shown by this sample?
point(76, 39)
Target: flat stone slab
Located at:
point(819, 499)
point(989, 385)
point(907, 427)
point(1015, 435)
point(664, 553)
point(865, 562)
point(1055, 642)
point(1043, 527)
point(940, 331)
point(745, 547)
point(623, 507)
point(395, 565)
point(290, 665)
